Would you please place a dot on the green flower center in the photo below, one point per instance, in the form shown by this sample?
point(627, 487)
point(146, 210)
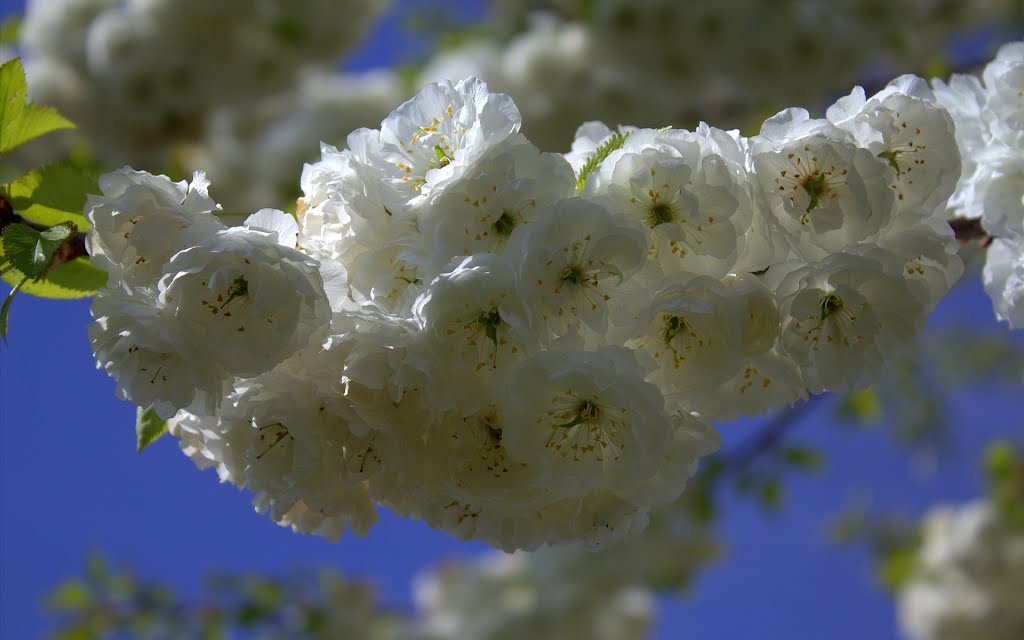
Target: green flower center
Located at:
point(586, 411)
point(816, 186)
point(660, 213)
point(505, 224)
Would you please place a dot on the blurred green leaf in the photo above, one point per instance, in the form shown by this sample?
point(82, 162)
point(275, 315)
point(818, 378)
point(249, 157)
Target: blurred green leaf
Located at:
point(999, 461)
point(78, 278)
point(21, 121)
point(803, 457)
point(896, 567)
point(861, 405)
point(771, 494)
point(72, 595)
point(53, 194)
point(10, 29)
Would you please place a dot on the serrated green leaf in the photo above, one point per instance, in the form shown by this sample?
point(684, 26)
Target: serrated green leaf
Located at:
point(30, 251)
point(19, 246)
point(53, 194)
point(148, 427)
point(6, 308)
point(78, 278)
point(22, 121)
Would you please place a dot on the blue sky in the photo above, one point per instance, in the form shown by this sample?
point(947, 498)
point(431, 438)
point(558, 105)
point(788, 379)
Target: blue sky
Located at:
point(71, 483)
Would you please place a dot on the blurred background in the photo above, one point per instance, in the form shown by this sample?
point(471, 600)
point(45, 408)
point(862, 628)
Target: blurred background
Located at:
point(802, 526)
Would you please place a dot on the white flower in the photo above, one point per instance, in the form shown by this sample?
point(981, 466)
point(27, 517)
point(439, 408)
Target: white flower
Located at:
point(244, 301)
point(293, 446)
point(999, 190)
point(585, 419)
point(137, 342)
point(513, 183)
point(1004, 82)
point(931, 261)
point(471, 324)
point(476, 490)
point(694, 330)
point(282, 227)
point(1004, 280)
point(904, 125)
point(967, 577)
point(964, 99)
point(141, 220)
point(823, 189)
point(571, 263)
point(843, 317)
point(692, 201)
point(506, 597)
point(432, 138)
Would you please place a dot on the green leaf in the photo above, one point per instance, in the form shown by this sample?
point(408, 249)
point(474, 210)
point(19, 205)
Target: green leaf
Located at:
point(803, 457)
point(71, 596)
point(611, 144)
point(6, 308)
point(770, 494)
point(19, 243)
point(999, 461)
point(78, 278)
point(30, 251)
point(53, 194)
point(896, 567)
point(148, 427)
point(10, 28)
point(861, 405)
point(21, 121)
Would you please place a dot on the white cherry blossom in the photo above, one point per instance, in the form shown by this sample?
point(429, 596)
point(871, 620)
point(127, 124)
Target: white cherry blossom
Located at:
point(141, 220)
point(842, 317)
point(246, 302)
point(823, 189)
point(572, 263)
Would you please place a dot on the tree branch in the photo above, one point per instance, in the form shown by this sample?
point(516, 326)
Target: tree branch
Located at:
point(769, 435)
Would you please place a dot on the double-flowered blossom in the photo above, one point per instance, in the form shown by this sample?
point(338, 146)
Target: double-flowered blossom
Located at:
point(521, 347)
point(193, 304)
point(989, 117)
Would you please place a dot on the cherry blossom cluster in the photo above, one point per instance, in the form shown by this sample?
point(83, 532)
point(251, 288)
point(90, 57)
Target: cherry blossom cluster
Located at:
point(967, 579)
point(541, 595)
point(649, 62)
point(989, 116)
point(253, 150)
point(564, 592)
point(140, 75)
point(516, 346)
